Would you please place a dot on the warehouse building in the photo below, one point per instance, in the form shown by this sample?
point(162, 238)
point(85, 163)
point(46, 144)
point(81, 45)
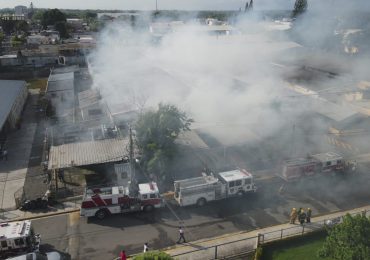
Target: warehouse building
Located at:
point(12, 99)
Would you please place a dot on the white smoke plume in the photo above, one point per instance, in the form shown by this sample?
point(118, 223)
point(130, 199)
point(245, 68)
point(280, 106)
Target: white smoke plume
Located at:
point(230, 85)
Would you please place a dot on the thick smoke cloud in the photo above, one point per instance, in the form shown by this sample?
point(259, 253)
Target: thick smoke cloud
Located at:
point(229, 84)
point(225, 80)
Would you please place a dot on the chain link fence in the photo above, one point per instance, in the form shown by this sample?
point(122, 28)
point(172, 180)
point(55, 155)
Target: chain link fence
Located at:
point(248, 245)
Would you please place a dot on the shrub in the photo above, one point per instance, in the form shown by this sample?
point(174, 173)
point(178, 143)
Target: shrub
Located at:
point(153, 255)
point(258, 254)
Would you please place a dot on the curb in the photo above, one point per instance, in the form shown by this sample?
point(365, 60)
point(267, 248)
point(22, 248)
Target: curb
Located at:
point(174, 247)
point(46, 215)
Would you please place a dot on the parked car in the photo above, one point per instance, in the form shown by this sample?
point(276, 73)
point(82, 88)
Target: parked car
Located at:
point(39, 256)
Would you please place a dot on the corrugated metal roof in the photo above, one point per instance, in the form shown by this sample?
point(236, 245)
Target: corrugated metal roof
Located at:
point(10, 89)
point(61, 76)
point(88, 98)
point(87, 153)
point(60, 85)
point(65, 69)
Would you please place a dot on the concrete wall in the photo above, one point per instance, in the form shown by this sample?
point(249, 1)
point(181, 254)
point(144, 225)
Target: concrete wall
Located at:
point(17, 107)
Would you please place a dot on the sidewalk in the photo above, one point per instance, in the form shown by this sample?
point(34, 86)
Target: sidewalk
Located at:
point(13, 171)
point(243, 242)
point(61, 208)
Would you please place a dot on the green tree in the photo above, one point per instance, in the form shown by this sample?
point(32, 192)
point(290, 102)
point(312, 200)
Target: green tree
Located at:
point(8, 26)
point(56, 18)
point(153, 255)
point(22, 26)
point(62, 28)
point(51, 17)
point(300, 7)
point(349, 240)
point(18, 41)
point(156, 133)
point(38, 15)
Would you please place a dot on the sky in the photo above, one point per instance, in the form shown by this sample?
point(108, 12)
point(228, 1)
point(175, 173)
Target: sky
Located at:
point(150, 4)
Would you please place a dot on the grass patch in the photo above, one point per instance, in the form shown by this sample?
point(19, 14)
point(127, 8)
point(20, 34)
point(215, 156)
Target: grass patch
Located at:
point(38, 83)
point(302, 248)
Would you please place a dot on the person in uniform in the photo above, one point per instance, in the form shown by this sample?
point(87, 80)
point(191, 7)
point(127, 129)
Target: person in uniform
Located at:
point(308, 216)
point(293, 216)
point(302, 217)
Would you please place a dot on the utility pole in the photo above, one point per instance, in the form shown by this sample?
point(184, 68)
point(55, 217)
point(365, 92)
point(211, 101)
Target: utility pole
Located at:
point(132, 162)
point(156, 5)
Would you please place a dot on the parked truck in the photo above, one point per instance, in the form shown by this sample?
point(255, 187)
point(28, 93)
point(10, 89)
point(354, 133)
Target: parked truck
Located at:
point(297, 168)
point(209, 187)
point(103, 201)
point(17, 238)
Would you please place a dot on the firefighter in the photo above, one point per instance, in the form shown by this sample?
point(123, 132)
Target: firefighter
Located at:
point(308, 217)
point(299, 212)
point(293, 216)
point(302, 217)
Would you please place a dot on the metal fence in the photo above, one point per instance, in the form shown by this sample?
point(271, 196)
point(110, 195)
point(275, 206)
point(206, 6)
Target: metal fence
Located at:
point(248, 245)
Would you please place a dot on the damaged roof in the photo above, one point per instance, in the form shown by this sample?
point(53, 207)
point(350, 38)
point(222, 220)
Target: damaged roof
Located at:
point(87, 153)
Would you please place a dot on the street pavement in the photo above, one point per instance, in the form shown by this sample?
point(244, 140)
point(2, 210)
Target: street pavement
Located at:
point(13, 171)
point(241, 242)
point(93, 239)
point(20, 146)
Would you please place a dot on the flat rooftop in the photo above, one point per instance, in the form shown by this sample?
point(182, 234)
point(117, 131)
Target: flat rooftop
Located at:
point(235, 175)
point(197, 181)
point(10, 89)
point(14, 229)
point(325, 157)
point(88, 153)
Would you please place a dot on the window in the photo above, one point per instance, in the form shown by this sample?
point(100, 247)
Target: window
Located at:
point(238, 183)
point(328, 163)
point(153, 196)
point(21, 242)
point(231, 184)
point(248, 181)
point(16, 241)
point(4, 244)
point(145, 197)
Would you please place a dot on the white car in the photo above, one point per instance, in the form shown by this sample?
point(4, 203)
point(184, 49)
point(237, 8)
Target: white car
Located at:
point(39, 256)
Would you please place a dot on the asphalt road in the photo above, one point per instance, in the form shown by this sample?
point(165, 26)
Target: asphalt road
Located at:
point(94, 239)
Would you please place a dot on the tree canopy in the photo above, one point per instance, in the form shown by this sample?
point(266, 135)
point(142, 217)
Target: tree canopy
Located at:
point(56, 18)
point(51, 17)
point(10, 26)
point(300, 7)
point(156, 132)
point(349, 240)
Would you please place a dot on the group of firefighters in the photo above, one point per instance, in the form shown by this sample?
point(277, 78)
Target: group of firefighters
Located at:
point(301, 215)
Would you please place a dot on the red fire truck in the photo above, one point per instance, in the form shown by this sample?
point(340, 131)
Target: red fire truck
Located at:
point(103, 201)
point(294, 169)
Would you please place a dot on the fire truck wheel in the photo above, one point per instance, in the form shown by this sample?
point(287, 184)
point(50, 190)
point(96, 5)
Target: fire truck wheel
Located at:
point(148, 208)
point(101, 214)
point(201, 202)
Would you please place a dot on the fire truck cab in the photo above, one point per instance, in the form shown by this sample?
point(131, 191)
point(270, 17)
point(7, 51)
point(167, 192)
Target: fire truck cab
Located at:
point(17, 237)
point(101, 202)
